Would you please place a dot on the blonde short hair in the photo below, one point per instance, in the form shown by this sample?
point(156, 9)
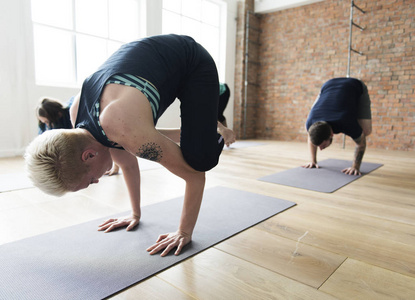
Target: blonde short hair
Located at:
point(53, 160)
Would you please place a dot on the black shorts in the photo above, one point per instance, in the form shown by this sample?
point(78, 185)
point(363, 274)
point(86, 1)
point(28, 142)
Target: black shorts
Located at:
point(363, 107)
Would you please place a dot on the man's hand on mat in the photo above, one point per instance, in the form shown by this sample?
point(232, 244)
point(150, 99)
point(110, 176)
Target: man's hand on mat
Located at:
point(311, 165)
point(110, 224)
point(351, 171)
point(168, 241)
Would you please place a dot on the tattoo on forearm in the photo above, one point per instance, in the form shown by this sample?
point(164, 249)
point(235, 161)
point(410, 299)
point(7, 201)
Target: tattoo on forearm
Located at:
point(359, 156)
point(150, 151)
point(359, 152)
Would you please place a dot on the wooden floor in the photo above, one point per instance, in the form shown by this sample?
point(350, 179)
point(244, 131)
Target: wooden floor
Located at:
point(355, 243)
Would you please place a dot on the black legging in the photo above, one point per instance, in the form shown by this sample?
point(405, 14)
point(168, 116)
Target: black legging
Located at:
point(200, 143)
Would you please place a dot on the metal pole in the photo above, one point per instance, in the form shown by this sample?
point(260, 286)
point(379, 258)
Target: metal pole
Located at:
point(350, 46)
point(349, 53)
point(350, 41)
point(246, 72)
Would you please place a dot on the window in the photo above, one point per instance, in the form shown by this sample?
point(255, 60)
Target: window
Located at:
point(200, 19)
point(74, 37)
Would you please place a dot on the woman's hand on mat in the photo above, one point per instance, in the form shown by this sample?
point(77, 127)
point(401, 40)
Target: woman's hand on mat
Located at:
point(114, 170)
point(311, 165)
point(110, 224)
point(351, 171)
point(168, 241)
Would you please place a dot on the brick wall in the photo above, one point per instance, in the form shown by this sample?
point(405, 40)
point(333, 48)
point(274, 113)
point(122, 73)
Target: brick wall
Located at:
point(299, 49)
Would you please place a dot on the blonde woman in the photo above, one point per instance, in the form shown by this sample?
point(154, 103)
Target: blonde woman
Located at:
point(114, 117)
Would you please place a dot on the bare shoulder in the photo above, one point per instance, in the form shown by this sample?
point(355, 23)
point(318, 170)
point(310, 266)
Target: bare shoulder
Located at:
point(125, 113)
point(73, 111)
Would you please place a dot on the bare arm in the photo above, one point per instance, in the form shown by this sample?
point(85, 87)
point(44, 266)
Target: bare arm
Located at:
point(73, 111)
point(358, 156)
point(366, 125)
point(136, 133)
point(157, 147)
point(131, 173)
point(313, 155)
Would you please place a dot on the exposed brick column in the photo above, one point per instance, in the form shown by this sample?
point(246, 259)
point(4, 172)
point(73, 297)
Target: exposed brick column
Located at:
point(246, 70)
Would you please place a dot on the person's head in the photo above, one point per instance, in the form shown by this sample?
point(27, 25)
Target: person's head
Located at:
point(48, 112)
point(321, 134)
point(63, 160)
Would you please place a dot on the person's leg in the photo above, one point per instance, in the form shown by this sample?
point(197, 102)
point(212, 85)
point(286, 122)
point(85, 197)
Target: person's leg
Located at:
point(364, 113)
point(223, 102)
point(366, 125)
point(200, 143)
point(227, 134)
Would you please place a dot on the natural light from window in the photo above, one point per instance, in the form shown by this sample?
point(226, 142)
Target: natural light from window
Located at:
point(73, 37)
point(200, 19)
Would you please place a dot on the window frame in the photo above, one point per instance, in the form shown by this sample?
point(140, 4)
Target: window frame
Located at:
point(221, 58)
point(76, 78)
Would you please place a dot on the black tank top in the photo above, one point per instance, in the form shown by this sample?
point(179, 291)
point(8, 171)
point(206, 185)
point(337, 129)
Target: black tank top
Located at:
point(165, 60)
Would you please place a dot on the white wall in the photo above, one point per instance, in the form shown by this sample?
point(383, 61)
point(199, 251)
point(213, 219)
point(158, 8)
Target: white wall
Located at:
point(170, 118)
point(267, 6)
point(19, 94)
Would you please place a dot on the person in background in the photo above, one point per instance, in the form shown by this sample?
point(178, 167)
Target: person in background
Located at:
point(51, 114)
point(343, 106)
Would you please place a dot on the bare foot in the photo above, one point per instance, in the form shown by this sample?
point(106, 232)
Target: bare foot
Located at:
point(227, 134)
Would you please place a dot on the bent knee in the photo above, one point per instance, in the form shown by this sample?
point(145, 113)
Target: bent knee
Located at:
point(366, 125)
point(201, 163)
point(204, 159)
point(367, 132)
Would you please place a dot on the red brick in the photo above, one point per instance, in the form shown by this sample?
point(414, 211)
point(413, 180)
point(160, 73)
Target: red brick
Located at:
point(299, 49)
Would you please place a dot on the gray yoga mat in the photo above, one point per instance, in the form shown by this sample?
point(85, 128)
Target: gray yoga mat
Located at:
point(14, 181)
point(79, 262)
point(327, 179)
